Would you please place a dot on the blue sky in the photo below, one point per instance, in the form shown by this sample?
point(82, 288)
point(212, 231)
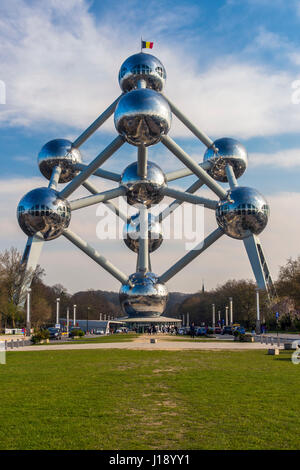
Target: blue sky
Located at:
point(230, 67)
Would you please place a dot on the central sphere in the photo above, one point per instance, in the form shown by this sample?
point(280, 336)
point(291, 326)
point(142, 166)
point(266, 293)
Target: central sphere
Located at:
point(59, 152)
point(42, 210)
point(142, 117)
point(146, 298)
point(147, 191)
point(145, 67)
point(247, 214)
point(132, 231)
point(231, 152)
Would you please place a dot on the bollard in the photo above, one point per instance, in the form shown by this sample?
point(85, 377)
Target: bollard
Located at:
point(17, 342)
point(11, 344)
point(271, 340)
point(278, 342)
point(5, 343)
point(23, 342)
point(261, 339)
point(273, 352)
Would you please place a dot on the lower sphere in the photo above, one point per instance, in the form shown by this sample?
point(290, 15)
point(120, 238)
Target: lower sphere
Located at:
point(146, 298)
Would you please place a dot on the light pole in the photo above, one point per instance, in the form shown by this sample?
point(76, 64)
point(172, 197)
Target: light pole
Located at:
point(219, 317)
point(28, 323)
point(231, 311)
point(226, 315)
point(68, 320)
point(257, 312)
point(87, 320)
point(74, 315)
point(57, 310)
point(213, 315)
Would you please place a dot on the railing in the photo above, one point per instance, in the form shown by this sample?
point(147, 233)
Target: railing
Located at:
point(273, 340)
point(17, 343)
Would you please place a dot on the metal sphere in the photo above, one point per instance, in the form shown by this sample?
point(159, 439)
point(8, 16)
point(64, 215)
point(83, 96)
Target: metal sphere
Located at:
point(247, 214)
point(42, 210)
point(59, 152)
point(146, 298)
point(142, 117)
point(131, 233)
point(147, 191)
point(145, 67)
point(231, 152)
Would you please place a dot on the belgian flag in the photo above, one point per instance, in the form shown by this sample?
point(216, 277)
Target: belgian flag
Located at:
point(147, 44)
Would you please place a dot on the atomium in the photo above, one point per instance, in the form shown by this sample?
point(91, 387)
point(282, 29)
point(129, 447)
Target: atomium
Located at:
point(43, 211)
point(230, 152)
point(59, 152)
point(246, 213)
point(146, 190)
point(142, 117)
point(146, 296)
point(131, 233)
point(142, 67)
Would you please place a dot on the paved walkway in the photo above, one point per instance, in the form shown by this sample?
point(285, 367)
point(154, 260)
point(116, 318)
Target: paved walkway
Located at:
point(143, 343)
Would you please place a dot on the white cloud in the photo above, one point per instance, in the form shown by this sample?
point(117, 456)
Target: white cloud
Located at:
point(282, 159)
point(61, 67)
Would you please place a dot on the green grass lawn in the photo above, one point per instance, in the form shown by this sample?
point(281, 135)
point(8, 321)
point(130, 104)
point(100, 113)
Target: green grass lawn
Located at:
point(119, 399)
point(116, 338)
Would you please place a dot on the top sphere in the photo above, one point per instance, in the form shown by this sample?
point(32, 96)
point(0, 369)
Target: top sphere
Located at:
point(231, 152)
point(59, 152)
point(142, 66)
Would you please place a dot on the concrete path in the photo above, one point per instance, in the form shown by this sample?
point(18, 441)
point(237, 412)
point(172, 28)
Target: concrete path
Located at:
point(144, 344)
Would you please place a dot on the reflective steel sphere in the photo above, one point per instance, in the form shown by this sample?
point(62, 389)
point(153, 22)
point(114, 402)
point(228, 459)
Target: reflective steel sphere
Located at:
point(142, 66)
point(143, 190)
point(147, 297)
point(42, 210)
point(247, 214)
point(142, 117)
point(131, 233)
point(59, 152)
point(229, 151)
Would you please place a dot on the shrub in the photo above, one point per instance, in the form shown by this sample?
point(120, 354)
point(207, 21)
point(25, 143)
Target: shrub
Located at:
point(77, 333)
point(39, 336)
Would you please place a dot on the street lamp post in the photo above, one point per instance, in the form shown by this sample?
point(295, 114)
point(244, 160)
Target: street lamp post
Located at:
point(74, 315)
point(226, 315)
point(28, 322)
point(57, 311)
point(257, 312)
point(213, 315)
point(68, 319)
point(87, 319)
point(231, 311)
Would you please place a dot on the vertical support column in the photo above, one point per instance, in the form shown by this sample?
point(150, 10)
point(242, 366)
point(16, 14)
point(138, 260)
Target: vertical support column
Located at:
point(231, 311)
point(143, 256)
point(28, 321)
point(142, 161)
point(213, 315)
point(257, 312)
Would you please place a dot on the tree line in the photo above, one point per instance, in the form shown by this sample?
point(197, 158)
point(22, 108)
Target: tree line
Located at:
point(199, 305)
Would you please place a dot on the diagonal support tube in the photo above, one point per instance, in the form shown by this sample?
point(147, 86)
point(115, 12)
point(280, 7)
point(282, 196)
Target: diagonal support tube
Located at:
point(94, 165)
point(54, 178)
point(113, 207)
point(173, 206)
point(92, 253)
point(175, 175)
point(193, 166)
point(108, 175)
point(191, 255)
point(201, 135)
point(95, 199)
point(187, 197)
point(231, 176)
point(96, 124)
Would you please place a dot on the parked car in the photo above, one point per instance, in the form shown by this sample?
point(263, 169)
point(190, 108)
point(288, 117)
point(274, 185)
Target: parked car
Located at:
point(218, 330)
point(241, 330)
point(201, 331)
point(184, 330)
point(99, 331)
point(54, 333)
point(227, 330)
